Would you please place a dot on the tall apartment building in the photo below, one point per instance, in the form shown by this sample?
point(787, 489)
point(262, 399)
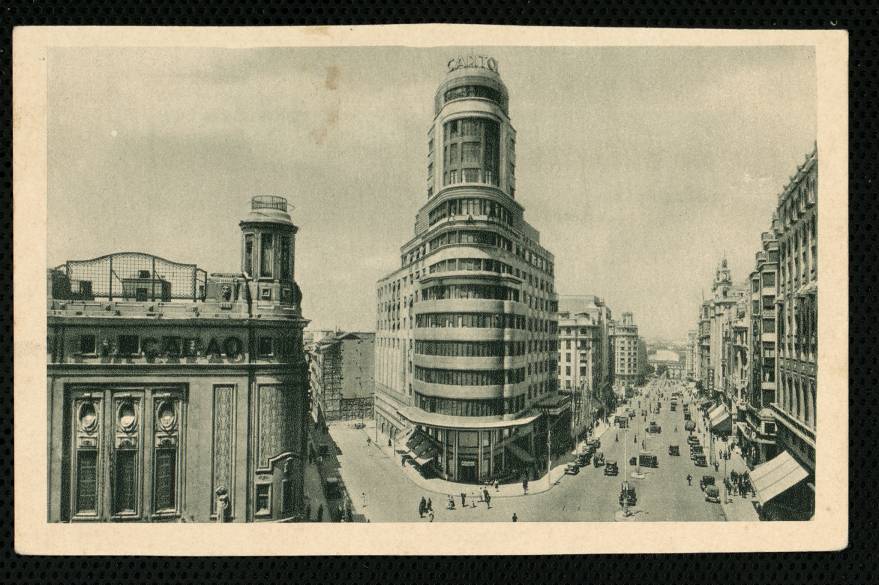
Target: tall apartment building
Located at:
point(341, 374)
point(691, 359)
point(466, 335)
point(584, 361)
point(176, 395)
point(757, 432)
point(797, 335)
point(628, 353)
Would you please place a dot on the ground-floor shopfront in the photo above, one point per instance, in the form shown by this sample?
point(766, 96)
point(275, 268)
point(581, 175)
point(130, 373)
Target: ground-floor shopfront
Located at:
point(469, 451)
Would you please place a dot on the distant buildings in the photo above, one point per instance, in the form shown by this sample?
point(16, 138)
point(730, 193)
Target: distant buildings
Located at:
point(667, 362)
point(691, 368)
point(629, 353)
point(341, 375)
point(584, 354)
point(758, 352)
point(466, 334)
point(177, 395)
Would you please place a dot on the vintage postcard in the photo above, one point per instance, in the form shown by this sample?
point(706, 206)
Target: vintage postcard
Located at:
point(430, 289)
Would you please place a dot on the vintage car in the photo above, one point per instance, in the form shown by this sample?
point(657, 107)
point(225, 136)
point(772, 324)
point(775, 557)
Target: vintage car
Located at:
point(696, 450)
point(648, 460)
point(693, 440)
point(706, 481)
point(674, 450)
point(653, 427)
point(687, 416)
point(621, 421)
point(583, 458)
point(572, 468)
point(598, 459)
point(700, 461)
point(611, 467)
point(627, 494)
point(712, 494)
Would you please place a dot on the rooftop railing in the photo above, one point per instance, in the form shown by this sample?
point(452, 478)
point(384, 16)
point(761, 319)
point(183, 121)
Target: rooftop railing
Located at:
point(268, 202)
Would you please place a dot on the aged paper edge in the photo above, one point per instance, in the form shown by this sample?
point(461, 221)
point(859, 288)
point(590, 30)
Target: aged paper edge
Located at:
point(34, 535)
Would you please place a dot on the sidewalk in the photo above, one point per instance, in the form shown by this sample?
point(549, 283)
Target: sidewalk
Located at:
point(314, 493)
point(736, 508)
point(507, 490)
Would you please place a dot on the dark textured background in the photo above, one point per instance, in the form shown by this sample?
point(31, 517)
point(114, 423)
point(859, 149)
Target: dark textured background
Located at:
point(854, 565)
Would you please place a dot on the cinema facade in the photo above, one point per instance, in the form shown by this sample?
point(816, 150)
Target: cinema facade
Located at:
point(174, 395)
point(466, 349)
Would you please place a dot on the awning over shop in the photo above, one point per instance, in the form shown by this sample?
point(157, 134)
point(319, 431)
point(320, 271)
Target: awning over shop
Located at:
point(521, 453)
point(426, 459)
point(776, 476)
point(719, 420)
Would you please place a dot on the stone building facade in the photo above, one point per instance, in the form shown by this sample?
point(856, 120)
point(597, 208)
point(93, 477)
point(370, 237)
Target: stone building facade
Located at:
point(176, 395)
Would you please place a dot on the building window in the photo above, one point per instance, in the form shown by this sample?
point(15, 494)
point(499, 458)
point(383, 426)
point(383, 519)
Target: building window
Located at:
point(768, 279)
point(267, 256)
point(265, 294)
point(266, 346)
point(248, 254)
point(87, 344)
point(129, 345)
point(286, 264)
point(263, 499)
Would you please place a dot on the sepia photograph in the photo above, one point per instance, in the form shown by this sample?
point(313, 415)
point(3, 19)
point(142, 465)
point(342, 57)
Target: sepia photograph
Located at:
point(335, 283)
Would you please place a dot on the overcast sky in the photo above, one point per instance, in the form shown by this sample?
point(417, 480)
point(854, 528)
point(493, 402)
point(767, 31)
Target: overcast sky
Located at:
point(639, 166)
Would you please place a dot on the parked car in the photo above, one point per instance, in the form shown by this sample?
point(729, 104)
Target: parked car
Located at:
point(706, 481)
point(693, 440)
point(572, 468)
point(598, 459)
point(674, 450)
point(712, 494)
point(611, 467)
point(583, 458)
point(700, 461)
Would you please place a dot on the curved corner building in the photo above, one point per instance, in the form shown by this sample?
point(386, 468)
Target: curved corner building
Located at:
point(466, 341)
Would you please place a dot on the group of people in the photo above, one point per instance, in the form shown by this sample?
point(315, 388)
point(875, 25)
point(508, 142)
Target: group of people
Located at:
point(739, 484)
point(425, 506)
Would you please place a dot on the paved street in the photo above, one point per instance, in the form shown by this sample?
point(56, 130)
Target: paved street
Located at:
point(663, 493)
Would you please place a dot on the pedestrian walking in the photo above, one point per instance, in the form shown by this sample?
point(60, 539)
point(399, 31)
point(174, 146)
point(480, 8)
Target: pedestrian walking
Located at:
point(368, 441)
point(430, 515)
point(429, 505)
point(450, 504)
point(422, 506)
point(716, 466)
point(389, 443)
point(497, 486)
point(515, 518)
point(363, 496)
point(487, 500)
point(689, 479)
point(525, 485)
point(463, 499)
point(473, 498)
point(320, 513)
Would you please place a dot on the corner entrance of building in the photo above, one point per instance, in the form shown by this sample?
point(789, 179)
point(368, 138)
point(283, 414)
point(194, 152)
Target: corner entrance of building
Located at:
point(467, 470)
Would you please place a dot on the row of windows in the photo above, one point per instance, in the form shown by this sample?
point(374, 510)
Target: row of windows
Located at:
point(479, 320)
point(470, 237)
point(477, 91)
point(267, 256)
point(476, 264)
point(470, 291)
point(470, 377)
point(470, 348)
point(455, 407)
point(113, 451)
point(492, 239)
point(471, 207)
